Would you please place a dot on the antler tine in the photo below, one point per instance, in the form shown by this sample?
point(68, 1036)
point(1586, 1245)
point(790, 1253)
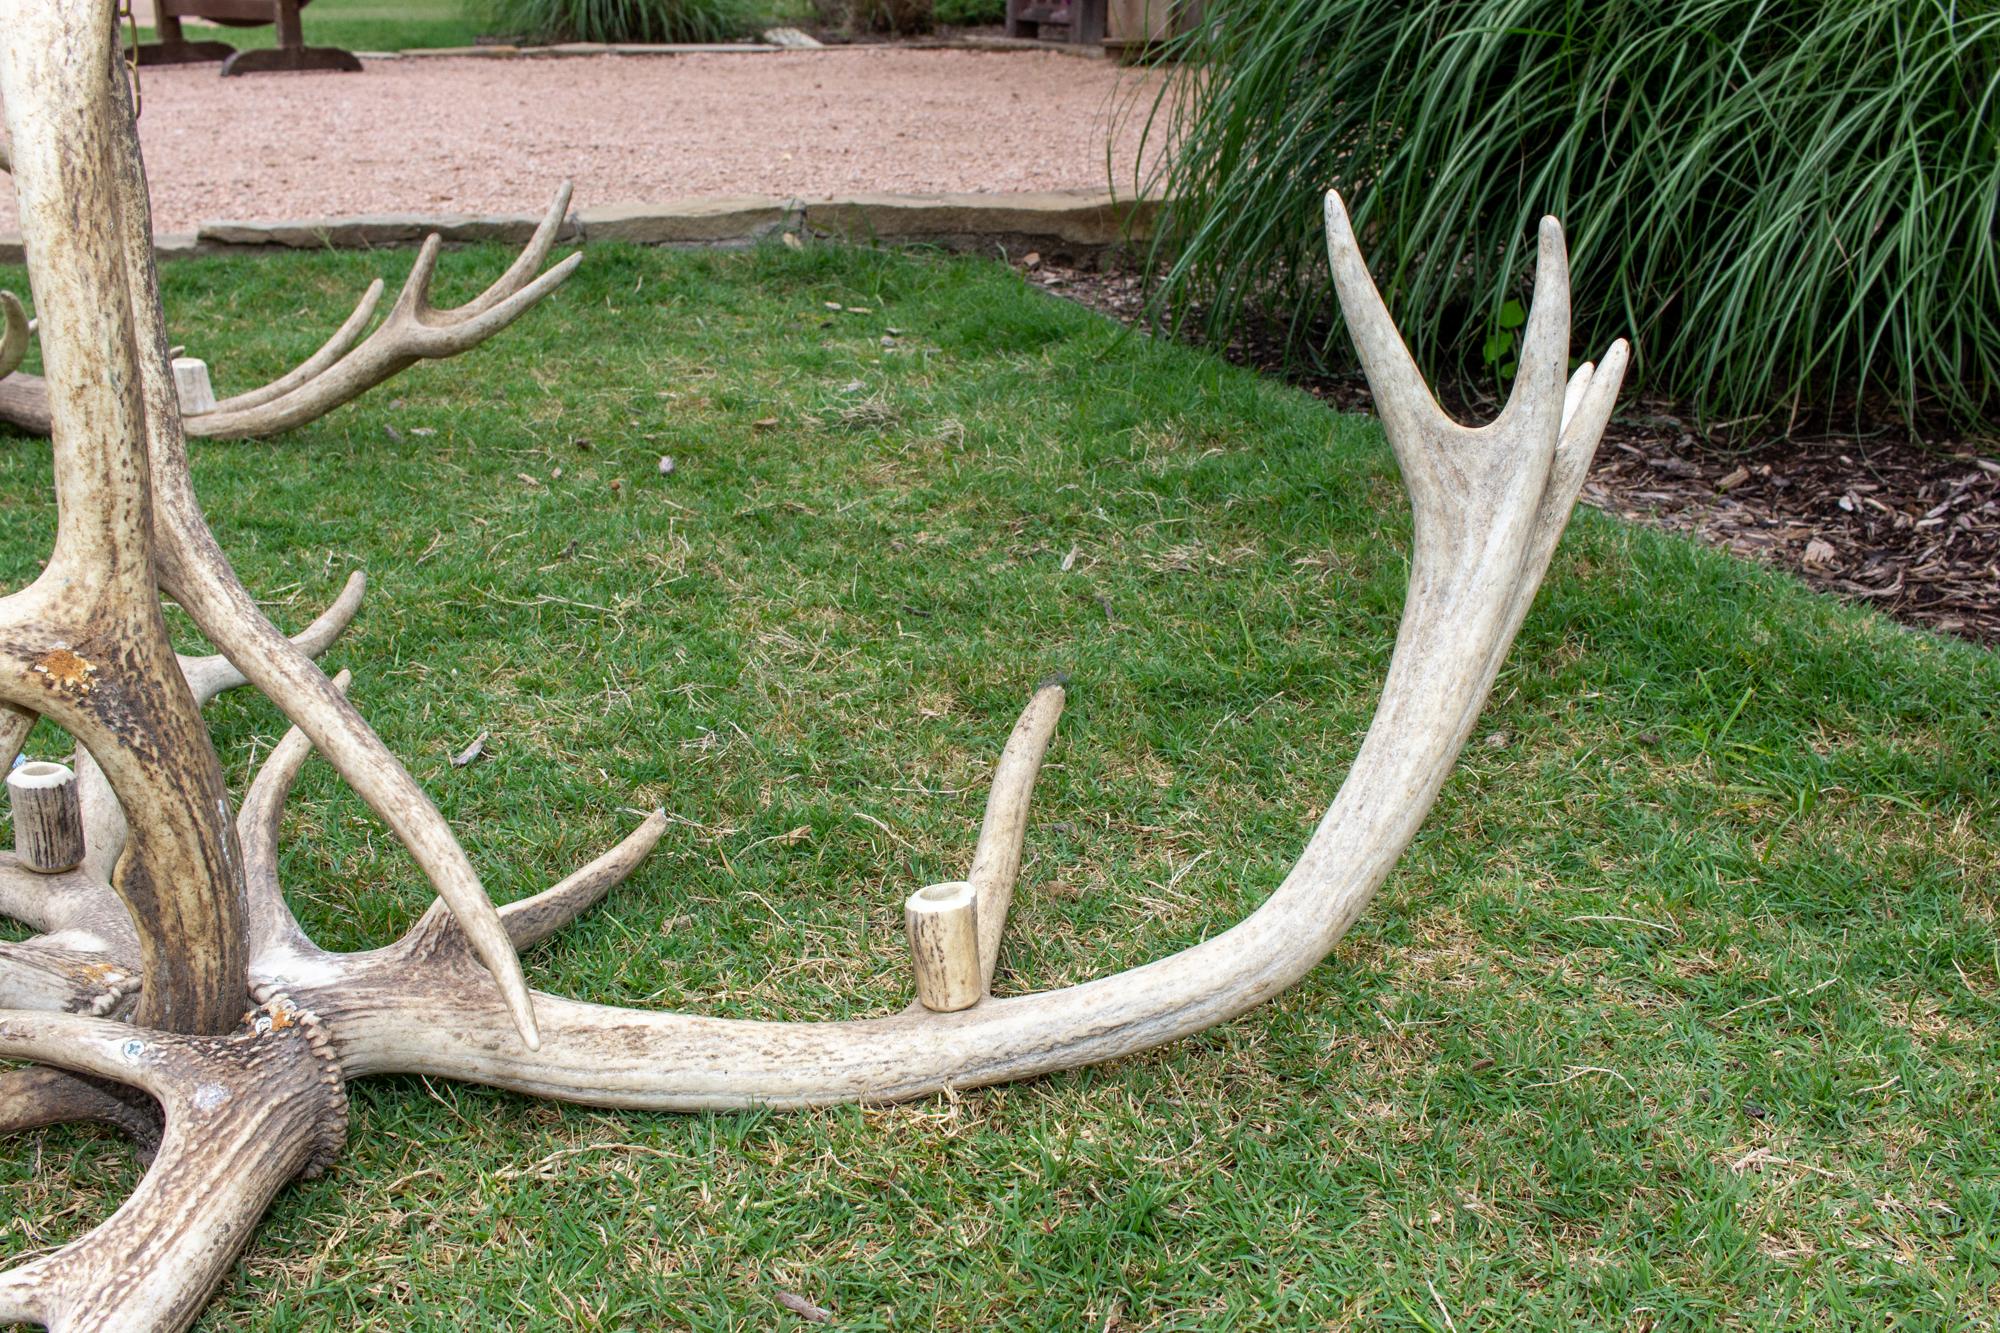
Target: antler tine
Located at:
point(272, 926)
point(533, 919)
point(413, 299)
point(413, 303)
point(1545, 341)
point(448, 333)
point(212, 675)
point(15, 335)
point(312, 367)
point(528, 262)
point(996, 861)
point(1402, 399)
point(1471, 490)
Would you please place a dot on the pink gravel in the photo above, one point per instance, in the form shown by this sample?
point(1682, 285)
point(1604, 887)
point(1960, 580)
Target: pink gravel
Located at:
point(491, 136)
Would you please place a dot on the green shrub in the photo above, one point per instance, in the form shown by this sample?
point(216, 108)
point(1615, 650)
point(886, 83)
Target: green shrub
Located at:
point(967, 13)
point(618, 20)
point(893, 16)
point(1783, 201)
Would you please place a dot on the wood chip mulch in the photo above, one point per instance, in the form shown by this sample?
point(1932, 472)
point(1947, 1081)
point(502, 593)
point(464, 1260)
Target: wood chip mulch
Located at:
point(1910, 527)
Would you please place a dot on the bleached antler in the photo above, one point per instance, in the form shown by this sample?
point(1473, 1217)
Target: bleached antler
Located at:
point(1490, 504)
point(346, 366)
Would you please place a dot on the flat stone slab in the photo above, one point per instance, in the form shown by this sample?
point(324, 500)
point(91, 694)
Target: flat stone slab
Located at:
point(504, 51)
point(1082, 221)
point(1089, 218)
point(369, 231)
point(703, 221)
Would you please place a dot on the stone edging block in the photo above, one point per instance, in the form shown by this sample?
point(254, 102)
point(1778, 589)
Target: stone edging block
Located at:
point(367, 231)
point(1074, 221)
point(1093, 219)
point(709, 220)
point(507, 51)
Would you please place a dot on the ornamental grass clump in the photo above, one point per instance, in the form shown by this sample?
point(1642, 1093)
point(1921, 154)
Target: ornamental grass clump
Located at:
point(1791, 203)
point(618, 20)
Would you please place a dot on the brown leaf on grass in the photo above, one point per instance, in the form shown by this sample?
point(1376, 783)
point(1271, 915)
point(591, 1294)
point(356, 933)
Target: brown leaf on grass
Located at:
point(805, 1309)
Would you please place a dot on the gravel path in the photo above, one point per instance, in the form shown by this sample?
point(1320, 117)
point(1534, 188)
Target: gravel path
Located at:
point(481, 136)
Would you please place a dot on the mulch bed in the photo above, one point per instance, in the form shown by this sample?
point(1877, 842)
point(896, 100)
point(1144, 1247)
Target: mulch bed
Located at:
point(1909, 526)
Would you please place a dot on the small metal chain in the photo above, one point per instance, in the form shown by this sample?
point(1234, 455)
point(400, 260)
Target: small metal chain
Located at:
point(132, 55)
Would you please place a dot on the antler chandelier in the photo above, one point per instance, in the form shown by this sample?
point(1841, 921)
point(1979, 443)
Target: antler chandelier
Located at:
point(131, 1004)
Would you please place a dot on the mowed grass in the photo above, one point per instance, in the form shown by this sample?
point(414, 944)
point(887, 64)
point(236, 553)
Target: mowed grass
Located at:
point(1680, 1014)
point(403, 25)
point(360, 25)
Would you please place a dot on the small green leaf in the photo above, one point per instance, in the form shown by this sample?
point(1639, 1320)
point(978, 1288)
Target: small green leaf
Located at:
point(1512, 316)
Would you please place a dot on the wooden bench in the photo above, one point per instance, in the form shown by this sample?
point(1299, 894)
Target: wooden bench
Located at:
point(1084, 17)
point(291, 53)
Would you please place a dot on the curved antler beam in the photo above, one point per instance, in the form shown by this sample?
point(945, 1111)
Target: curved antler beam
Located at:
point(1489, 503)
point(345, 366)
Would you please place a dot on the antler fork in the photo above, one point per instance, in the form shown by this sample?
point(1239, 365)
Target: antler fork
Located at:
point(345, 366)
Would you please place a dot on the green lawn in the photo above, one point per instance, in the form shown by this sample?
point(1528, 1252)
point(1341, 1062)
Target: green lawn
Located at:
point(1684, 1011)
point(364, 25)
point(386, 25)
